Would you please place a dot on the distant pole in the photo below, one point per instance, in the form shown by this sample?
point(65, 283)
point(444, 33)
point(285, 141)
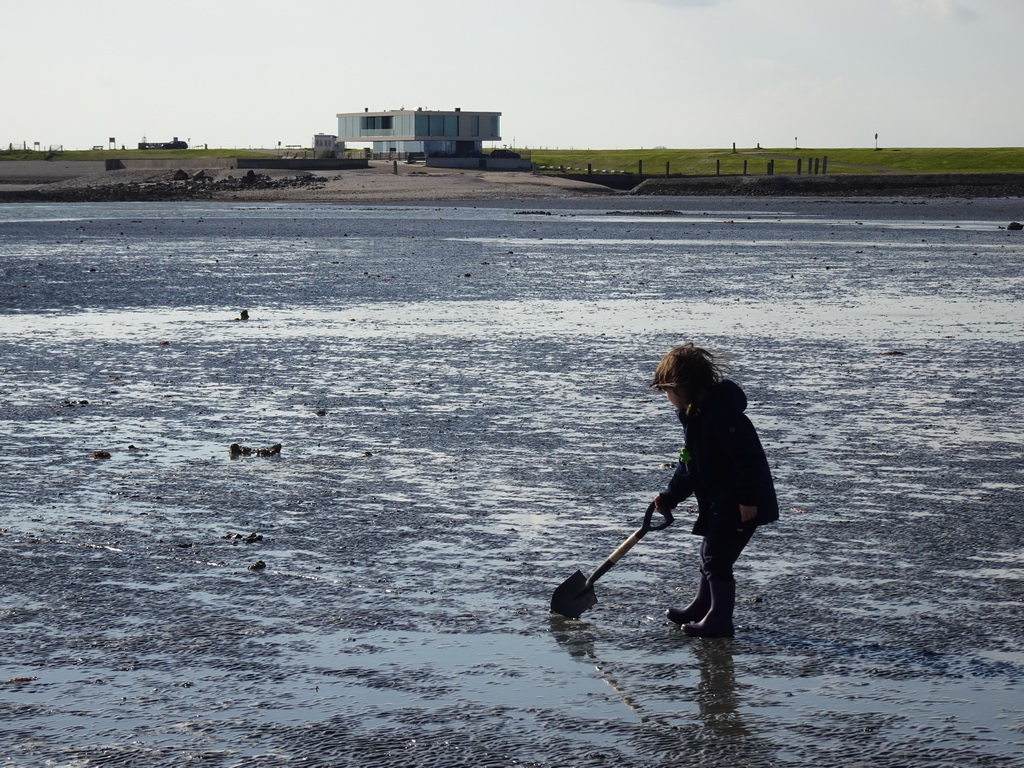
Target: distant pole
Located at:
point(796, 143)
point(876, 142)
point(734, 147)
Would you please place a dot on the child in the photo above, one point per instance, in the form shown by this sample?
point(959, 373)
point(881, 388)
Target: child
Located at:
point(724, 466)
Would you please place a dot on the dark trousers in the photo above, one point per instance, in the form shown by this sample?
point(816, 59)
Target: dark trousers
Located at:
point(718, 553)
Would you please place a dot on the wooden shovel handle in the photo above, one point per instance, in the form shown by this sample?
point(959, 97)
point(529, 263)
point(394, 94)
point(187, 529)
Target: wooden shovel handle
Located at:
point(629, 543)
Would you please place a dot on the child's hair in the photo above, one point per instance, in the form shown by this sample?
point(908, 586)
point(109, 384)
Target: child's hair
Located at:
point(689, 370)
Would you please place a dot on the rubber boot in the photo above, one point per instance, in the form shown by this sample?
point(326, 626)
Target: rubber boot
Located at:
point(718, 621)
point(696, 610)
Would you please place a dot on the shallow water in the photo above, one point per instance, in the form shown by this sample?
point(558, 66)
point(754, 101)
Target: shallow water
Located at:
point(459, 393)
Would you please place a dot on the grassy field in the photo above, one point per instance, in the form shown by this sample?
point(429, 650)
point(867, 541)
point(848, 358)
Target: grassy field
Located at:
point(702, 162)
point(122, 154)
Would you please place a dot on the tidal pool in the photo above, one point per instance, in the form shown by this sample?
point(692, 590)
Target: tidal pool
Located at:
point(460, 396)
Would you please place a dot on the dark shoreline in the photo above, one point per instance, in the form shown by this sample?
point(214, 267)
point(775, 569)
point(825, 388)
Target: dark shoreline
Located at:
point(842, 185)
point(112, 194)
point(162, 187)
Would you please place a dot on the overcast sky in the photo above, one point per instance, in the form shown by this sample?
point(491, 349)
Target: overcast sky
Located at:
point(598, 74)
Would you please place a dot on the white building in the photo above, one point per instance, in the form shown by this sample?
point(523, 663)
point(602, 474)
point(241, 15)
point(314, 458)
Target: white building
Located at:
point(431, 132)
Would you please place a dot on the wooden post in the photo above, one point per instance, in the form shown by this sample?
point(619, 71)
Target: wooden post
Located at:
point(824, 165)
point(771, 167)
point(718, 166)
point(799, 162)
point(640, 168)
point(396, 167)
point(744, 167)
point(590, 169)
point(817, 165)
point(666, 169)
point(734, 147)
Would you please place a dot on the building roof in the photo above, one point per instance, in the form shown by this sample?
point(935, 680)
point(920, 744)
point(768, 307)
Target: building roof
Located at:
point(419, 110)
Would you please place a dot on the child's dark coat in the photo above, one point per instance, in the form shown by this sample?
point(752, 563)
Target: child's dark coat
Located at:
point(723, 465)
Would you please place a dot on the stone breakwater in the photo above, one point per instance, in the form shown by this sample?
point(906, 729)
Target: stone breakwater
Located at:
point(840, 185)
point(147, 186)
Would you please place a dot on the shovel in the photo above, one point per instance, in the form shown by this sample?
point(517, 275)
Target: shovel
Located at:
point(576, 594)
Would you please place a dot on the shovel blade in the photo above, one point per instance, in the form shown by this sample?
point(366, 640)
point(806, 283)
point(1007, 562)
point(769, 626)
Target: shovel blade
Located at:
point(573, 597)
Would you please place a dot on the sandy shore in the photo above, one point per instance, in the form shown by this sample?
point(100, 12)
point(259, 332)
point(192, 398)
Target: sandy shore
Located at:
point(413, 182)
point(379, 183)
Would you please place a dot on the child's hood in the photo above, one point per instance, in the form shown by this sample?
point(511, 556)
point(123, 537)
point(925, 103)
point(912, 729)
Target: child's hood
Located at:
point(727, 396)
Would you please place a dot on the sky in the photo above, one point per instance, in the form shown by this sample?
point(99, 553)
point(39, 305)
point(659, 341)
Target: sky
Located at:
point(581, 74)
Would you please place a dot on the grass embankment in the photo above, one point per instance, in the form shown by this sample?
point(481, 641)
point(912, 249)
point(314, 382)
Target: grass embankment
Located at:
point(125, 154)
point(706, 162)
point(683, 162)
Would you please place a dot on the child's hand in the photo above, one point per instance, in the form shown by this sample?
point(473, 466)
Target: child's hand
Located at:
point(747, 513)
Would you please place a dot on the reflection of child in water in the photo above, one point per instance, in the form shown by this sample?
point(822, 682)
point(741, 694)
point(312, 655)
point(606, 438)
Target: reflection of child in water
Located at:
point(724, 466)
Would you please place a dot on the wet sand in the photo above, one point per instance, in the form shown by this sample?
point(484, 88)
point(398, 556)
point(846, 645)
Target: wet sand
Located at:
point(459, 392)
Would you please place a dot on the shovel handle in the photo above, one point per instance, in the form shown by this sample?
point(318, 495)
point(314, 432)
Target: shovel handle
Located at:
point(629, 543)
point(665, 523)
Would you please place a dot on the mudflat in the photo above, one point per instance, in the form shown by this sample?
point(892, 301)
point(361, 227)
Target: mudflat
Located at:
point(459, 396)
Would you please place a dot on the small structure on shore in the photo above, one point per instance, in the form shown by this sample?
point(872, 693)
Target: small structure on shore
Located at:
point(175, 144)
point(327, 145)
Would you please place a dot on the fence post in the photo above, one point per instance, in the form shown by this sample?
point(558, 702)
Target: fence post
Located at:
point(666, 169)
point(590, 169)
point(799, 162)
point(744, 167)
point(640, 168)
point(396, 167)
point(824, 165)
point(718, 166)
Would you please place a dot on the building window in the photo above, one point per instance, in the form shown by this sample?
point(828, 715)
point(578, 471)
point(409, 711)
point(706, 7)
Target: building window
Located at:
point(376, 123)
